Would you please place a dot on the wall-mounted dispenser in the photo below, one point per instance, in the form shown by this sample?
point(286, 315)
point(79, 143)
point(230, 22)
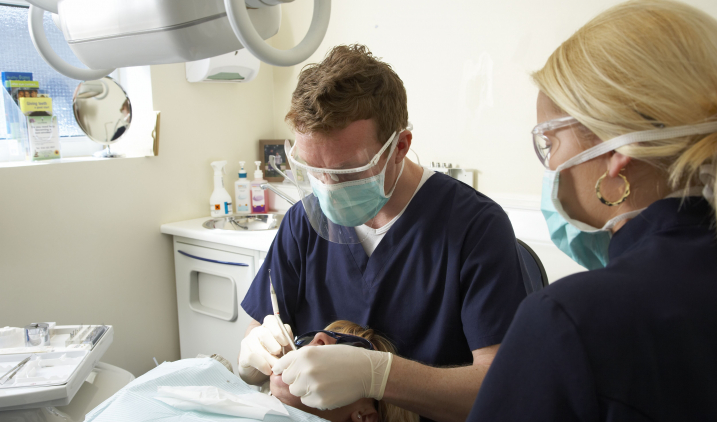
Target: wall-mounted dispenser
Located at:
point(237, 66)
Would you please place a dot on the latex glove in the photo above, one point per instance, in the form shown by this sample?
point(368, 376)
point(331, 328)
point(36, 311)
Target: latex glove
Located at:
point(260, 350)
point(327, 377)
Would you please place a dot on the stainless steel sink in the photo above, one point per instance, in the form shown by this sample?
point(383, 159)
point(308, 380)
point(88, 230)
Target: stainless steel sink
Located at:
point(244, 222)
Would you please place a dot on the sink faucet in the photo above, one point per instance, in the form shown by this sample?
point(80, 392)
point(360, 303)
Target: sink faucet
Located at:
point(279, 193)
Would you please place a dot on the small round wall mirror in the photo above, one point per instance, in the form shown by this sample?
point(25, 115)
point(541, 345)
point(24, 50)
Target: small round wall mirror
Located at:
point(103, 111)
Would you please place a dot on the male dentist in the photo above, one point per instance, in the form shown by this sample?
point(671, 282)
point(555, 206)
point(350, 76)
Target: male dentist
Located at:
point(378, 240)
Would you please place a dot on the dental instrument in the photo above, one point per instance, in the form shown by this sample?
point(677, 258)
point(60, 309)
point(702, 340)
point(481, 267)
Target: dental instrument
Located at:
point(11, 373)
point(275, 308)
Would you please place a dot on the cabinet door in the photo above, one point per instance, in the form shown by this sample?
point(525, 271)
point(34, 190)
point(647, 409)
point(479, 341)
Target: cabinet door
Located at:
point(211, 284)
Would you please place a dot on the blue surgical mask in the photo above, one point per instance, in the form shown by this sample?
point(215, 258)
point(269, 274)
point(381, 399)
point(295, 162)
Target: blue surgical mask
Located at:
point(353, 203)
point(587, 245)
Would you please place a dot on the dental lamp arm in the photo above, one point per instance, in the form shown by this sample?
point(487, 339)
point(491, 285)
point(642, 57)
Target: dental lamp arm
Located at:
point(49, 5)
point(42, 45)
point(252, 41)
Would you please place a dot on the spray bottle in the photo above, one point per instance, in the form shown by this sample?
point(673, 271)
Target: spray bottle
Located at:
point(242, 191)
point(258, 197)
point(220, 203)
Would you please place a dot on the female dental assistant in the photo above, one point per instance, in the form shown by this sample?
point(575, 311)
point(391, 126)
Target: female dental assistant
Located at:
point(627, 129)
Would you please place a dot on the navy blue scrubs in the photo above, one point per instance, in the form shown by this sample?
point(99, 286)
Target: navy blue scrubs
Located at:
point(445, 279)
point(636, 341)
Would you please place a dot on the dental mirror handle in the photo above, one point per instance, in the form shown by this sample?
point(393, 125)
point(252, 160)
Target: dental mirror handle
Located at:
point(275, 308)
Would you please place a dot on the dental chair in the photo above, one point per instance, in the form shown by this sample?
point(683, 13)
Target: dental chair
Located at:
point(534, 275)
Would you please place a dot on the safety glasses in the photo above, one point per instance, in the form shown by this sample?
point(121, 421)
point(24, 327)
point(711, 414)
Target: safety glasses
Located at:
point(346, 339)
point(345, 174)
point(542, 143)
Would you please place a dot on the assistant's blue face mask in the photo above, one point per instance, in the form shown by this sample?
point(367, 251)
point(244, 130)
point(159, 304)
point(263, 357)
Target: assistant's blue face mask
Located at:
point(587, 245)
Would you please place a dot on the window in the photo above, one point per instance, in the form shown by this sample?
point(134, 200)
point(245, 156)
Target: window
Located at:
point(19, 55)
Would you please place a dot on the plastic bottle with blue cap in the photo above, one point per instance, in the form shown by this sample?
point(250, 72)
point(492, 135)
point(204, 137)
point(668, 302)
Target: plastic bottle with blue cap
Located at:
point(220, 203)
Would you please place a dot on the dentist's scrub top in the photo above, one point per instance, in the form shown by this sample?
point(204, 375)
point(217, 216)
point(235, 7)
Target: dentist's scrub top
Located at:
point(445, 279)
point(635, 341)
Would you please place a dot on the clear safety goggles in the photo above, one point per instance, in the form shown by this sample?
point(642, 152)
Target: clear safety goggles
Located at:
point(542, 143)
point(340, 175)
point(337, 200)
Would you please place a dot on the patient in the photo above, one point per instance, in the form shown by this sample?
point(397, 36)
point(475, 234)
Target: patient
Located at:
point(138, 401)
point(363, 410)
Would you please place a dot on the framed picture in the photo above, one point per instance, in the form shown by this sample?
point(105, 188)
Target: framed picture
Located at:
point(273, 147)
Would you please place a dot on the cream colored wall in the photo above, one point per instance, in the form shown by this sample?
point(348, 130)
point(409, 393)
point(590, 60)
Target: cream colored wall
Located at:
point(80, 242)
point(463, 112)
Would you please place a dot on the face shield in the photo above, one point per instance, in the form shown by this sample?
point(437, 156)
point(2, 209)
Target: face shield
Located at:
point(340, 197)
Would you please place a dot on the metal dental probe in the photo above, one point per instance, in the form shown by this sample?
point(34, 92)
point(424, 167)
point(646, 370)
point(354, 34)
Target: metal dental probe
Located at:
point(11, 373)
point(275, 308)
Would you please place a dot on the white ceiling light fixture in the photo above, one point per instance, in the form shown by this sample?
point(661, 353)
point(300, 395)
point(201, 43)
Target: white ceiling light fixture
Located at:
point(109, 34)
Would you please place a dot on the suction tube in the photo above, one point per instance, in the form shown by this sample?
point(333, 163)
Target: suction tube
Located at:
point(42, 45)
point(250, 39)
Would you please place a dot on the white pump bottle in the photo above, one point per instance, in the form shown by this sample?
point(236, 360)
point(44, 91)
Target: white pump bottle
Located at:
point(242, 192)
point(259, 203)
point(220, 203)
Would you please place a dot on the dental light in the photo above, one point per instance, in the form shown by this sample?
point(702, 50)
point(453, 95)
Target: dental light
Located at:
point(107, 34)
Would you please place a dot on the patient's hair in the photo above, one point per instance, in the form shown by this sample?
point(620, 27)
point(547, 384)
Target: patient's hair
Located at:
point(386, 412)
point(351, 84)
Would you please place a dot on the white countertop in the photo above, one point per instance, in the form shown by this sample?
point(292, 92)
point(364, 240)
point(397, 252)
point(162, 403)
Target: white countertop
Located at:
point(256, 240)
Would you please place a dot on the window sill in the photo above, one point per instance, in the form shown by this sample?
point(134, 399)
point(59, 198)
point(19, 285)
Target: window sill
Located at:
point(11, 164)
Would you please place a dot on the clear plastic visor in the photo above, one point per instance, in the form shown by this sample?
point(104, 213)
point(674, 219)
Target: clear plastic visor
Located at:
point(350, 167)
point(339, 190)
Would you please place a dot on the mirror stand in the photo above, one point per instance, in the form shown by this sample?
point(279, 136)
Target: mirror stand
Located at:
point(107, 153)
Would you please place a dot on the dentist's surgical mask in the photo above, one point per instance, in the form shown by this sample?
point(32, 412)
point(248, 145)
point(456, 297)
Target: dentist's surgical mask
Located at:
point(587, 245)
point(337, 200)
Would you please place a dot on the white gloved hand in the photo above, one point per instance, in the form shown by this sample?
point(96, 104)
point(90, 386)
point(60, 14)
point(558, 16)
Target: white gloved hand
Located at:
point(260, 350)
point(327, 377)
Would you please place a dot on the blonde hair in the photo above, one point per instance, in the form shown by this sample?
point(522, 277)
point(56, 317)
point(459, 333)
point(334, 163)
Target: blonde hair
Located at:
point(637, 66)
point(386, 412)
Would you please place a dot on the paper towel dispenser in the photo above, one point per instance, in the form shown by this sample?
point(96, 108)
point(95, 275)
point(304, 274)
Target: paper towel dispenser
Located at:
point(237, 66)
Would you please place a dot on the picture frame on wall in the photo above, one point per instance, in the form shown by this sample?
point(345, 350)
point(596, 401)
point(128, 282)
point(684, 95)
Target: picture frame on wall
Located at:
point(275, 147)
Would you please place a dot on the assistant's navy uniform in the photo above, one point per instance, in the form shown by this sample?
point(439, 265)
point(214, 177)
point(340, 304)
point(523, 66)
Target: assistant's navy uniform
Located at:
point(635, 341)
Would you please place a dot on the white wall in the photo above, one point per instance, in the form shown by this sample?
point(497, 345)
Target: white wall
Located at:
point(466, 66)
point(463, 112)
point(80, 242)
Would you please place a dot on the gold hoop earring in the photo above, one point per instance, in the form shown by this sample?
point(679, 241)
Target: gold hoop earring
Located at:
point(605, 201)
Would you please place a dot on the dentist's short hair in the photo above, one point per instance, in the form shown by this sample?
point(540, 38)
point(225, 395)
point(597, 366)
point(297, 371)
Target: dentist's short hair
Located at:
point(350, 84)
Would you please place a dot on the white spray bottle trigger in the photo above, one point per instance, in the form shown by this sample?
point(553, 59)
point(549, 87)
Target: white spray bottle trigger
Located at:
point(218, 167)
